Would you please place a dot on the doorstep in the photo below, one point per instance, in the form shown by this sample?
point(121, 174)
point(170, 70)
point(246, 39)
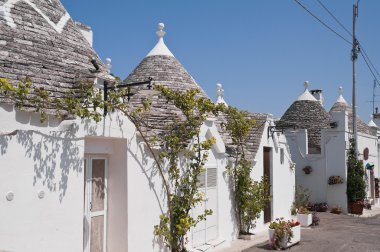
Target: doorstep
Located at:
point(240, 245)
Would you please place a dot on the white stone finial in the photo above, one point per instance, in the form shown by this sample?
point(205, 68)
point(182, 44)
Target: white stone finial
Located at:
point(219, 90)
point(306, 85)
point(340, 98)
point(219, 94)
point(108, 64)
point(161, 33)
point(341, 90)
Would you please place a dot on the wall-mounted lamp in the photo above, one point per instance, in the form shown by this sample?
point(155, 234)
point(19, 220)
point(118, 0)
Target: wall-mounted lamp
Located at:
point(96, 66)
point(279, 129)
point(128, 86)
point(334, 125)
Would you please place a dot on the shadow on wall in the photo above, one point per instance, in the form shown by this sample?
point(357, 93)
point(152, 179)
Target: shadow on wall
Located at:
point(45, 151)
point(151, 174)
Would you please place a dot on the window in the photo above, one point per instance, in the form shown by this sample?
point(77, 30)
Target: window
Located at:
point(282, 155)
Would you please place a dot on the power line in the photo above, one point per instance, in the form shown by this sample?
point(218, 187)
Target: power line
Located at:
point(323, 23)
point(366, 58)
point(374, 68)
point(341, 25)
point(370, 69)
point(333, 16)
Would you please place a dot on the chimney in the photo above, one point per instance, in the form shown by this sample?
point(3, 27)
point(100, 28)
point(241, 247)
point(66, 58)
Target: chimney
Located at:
point(86, 32)
point(317, 93)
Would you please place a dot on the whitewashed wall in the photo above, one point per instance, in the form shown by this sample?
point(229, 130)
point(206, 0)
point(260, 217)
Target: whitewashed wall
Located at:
point(49, 157)
point(331, 161)
point(282, 176)
point(33, 162)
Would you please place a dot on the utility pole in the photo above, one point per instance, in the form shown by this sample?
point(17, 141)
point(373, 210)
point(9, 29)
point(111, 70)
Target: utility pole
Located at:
point(373, 97)
point(354, 56)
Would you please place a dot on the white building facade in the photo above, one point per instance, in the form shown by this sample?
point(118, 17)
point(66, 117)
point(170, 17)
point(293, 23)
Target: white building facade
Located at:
point(335, 130)
point(76, 185)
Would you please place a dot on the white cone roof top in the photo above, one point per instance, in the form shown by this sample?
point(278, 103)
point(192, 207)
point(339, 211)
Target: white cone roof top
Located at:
point(306, 95)
point(160, 48)
point(371, 123)
point(219, 95)
point(340, 98)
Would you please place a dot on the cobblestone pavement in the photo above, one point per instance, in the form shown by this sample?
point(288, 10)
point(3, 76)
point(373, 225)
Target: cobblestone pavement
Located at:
point(337, 233)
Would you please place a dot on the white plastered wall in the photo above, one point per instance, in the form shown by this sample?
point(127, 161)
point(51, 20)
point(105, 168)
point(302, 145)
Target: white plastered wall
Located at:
point(282, 176)
point(331, 161)
point(34, 162)
point(48, 159)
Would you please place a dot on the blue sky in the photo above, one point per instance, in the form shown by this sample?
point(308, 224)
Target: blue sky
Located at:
point(261, 51)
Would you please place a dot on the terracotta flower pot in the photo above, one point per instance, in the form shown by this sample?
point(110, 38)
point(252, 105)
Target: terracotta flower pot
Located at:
point(356, 208)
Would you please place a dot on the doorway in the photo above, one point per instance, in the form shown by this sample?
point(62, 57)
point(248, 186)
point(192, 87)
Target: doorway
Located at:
point(207, 230)
point(95, 203)
point(267, 173)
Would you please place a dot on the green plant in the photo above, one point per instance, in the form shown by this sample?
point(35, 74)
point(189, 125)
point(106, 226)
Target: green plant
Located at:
point(251, 197)
point(183, 175)
point(303, 210)
point(333, 180)
point(356, 188)
point(301, 199)
point(282, 230)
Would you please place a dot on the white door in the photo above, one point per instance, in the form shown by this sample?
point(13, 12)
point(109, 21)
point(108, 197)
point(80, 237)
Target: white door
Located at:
point(207, 230)
point(95, 209)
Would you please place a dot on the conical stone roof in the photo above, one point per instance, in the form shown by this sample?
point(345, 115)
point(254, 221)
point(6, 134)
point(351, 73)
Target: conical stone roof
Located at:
point(307, 113)
point(342, 105)
point(38, 39)
point(161, 65)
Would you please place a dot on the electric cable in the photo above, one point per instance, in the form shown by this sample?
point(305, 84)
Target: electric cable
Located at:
point(333, 16)
point(323, 23)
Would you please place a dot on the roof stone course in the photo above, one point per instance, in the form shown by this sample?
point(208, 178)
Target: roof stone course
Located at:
point(36, 48)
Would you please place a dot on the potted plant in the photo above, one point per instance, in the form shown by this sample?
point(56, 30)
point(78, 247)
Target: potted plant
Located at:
point(356, 188)
point(316, 219)
point(333, 180)
point(336, 210)
point(283, 234)
point(307, 169)
point(304, 217)
point(301, 199)
point(320, 207)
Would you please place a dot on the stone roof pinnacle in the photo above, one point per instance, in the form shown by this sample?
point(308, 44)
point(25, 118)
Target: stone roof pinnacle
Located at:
point(306, 96)
point(340, 98)
point(160, 48)
point(219, 94)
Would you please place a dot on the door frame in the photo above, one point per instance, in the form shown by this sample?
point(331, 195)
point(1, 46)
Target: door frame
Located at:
point(269, 208)
point(87, 199)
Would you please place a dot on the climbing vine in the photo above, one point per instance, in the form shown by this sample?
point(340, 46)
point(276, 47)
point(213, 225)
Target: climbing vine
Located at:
point(251, 197)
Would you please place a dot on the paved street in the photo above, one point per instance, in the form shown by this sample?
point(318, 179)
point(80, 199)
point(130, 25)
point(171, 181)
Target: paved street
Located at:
point(337, 233)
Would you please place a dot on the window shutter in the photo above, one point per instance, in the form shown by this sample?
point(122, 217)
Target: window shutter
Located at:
point(211, 177)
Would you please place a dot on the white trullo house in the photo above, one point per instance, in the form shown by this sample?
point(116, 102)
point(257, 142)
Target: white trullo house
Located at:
point(72, 184)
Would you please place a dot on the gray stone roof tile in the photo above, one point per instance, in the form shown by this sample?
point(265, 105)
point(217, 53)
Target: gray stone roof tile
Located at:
point(32, 47)
point(309, 115)
point(361, 126)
